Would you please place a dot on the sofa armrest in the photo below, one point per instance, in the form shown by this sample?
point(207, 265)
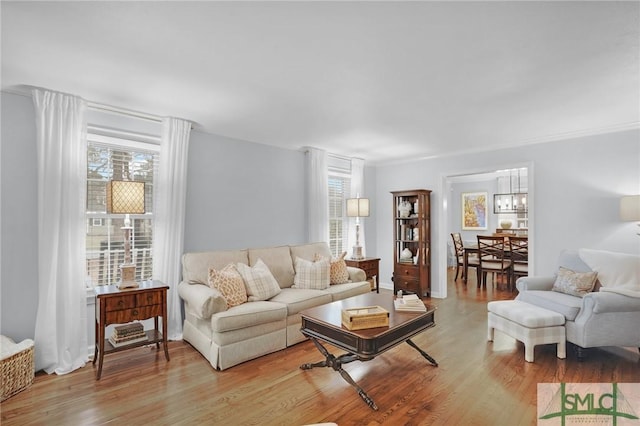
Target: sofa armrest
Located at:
point(601, 302)
point(356, 275)
point(201, 300)
point(535, 283)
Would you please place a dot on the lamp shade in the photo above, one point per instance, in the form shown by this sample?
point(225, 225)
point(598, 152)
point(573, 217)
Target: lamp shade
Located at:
point(630, 208)
point(358, 207)
point(125, 197)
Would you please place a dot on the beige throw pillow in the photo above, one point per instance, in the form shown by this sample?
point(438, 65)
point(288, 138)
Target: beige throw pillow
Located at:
point(258, 280)
point(229, 283)
point(574, 283)
point(339, 274)
point(311, 275)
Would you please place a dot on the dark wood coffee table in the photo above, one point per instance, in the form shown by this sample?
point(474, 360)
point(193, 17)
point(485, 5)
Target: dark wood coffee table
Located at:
point(323, 323)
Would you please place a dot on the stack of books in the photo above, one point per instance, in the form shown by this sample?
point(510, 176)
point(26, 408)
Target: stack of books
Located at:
point(127, 334)
point(409, 303)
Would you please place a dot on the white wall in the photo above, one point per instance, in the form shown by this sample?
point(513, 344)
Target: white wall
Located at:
point(577, 185)
point(242, 195)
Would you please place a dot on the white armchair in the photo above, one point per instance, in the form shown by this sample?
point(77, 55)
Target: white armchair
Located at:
point(598, 319)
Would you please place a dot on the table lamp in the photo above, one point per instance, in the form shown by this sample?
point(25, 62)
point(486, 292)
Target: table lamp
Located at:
point(357, 207)
point(126, 197)
point(630, 209)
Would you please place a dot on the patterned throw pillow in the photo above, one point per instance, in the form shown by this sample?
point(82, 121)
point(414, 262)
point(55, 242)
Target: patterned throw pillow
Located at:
point(311, 275)
point(259, 281)
point(574, 283)
point(229, 283)
point(339, 273)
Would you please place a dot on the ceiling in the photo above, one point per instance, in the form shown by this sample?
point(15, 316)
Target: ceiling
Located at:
point(384, 81)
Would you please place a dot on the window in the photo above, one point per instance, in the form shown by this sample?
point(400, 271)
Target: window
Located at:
point(118, 158)
point(339, 189)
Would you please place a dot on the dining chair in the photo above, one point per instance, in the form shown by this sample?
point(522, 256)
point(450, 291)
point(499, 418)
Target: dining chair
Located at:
point(519, 257)
point(472, 259)
point(494, 258)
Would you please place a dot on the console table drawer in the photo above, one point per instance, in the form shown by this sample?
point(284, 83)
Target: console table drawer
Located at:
point(128, 315)
point(149, 298)
point(119, 303)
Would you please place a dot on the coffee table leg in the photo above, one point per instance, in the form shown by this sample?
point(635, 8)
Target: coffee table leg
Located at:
point(336, 364)
point(423, 353)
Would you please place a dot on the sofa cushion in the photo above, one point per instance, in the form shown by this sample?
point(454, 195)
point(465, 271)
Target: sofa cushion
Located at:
point(258, 280)
point(343, 291)
point(564, 304)
point(195, 266)
point(311, 275)
point(248, 315)
point(309, 251)
point(229, 282)
point(298, 300)
point(574, 283)
point(279, 262)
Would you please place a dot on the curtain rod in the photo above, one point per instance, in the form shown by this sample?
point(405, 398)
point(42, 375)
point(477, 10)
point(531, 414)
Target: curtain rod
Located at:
point(124, 111)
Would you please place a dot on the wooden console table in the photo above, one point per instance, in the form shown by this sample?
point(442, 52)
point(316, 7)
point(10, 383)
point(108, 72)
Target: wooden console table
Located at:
point(115, 306)
point(370, 266)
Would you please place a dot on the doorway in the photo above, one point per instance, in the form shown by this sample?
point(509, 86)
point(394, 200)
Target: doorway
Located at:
point(483, 181)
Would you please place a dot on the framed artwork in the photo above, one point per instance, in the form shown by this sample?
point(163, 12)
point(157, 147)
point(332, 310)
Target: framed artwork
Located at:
point(474, 211)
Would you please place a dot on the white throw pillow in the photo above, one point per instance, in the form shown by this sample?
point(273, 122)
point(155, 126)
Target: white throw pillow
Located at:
point(258, 280)
point(311, 275)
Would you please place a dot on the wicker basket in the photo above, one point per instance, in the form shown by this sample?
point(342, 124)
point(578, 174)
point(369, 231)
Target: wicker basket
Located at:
point(17, 372)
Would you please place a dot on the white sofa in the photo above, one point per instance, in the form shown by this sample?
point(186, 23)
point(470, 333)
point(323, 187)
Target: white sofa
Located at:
point(227, 337)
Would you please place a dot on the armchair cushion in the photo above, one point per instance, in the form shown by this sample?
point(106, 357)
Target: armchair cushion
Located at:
point(562, 303)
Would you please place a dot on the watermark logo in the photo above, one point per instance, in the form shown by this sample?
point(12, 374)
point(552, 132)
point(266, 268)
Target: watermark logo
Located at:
point(616, 404)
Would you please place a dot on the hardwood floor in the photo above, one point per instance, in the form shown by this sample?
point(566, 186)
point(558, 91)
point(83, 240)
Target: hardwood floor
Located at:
point(476, 382)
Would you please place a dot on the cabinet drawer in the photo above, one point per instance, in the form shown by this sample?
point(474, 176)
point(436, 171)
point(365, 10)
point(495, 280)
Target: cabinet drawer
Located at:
point(119, 303)
point(406, 271)
point(128, 315)
point(405, 283)
point(149, 298)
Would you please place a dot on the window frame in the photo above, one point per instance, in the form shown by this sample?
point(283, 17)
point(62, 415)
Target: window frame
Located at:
point(95, 258)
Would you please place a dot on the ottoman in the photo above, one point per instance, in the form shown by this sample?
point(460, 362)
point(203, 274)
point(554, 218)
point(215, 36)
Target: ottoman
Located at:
point(529, 324)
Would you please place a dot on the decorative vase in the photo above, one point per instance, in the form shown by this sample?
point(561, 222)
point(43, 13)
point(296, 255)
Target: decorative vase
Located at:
point(404, 208)
point(406, 254)
point(505, 224)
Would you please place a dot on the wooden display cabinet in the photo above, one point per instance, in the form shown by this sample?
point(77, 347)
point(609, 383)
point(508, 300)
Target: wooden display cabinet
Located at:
point(412, 242)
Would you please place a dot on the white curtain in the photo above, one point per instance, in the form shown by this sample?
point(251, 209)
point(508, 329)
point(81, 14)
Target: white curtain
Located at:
point(61, 323)
point(317, 195)
point(357, 190)
point(169, 215)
